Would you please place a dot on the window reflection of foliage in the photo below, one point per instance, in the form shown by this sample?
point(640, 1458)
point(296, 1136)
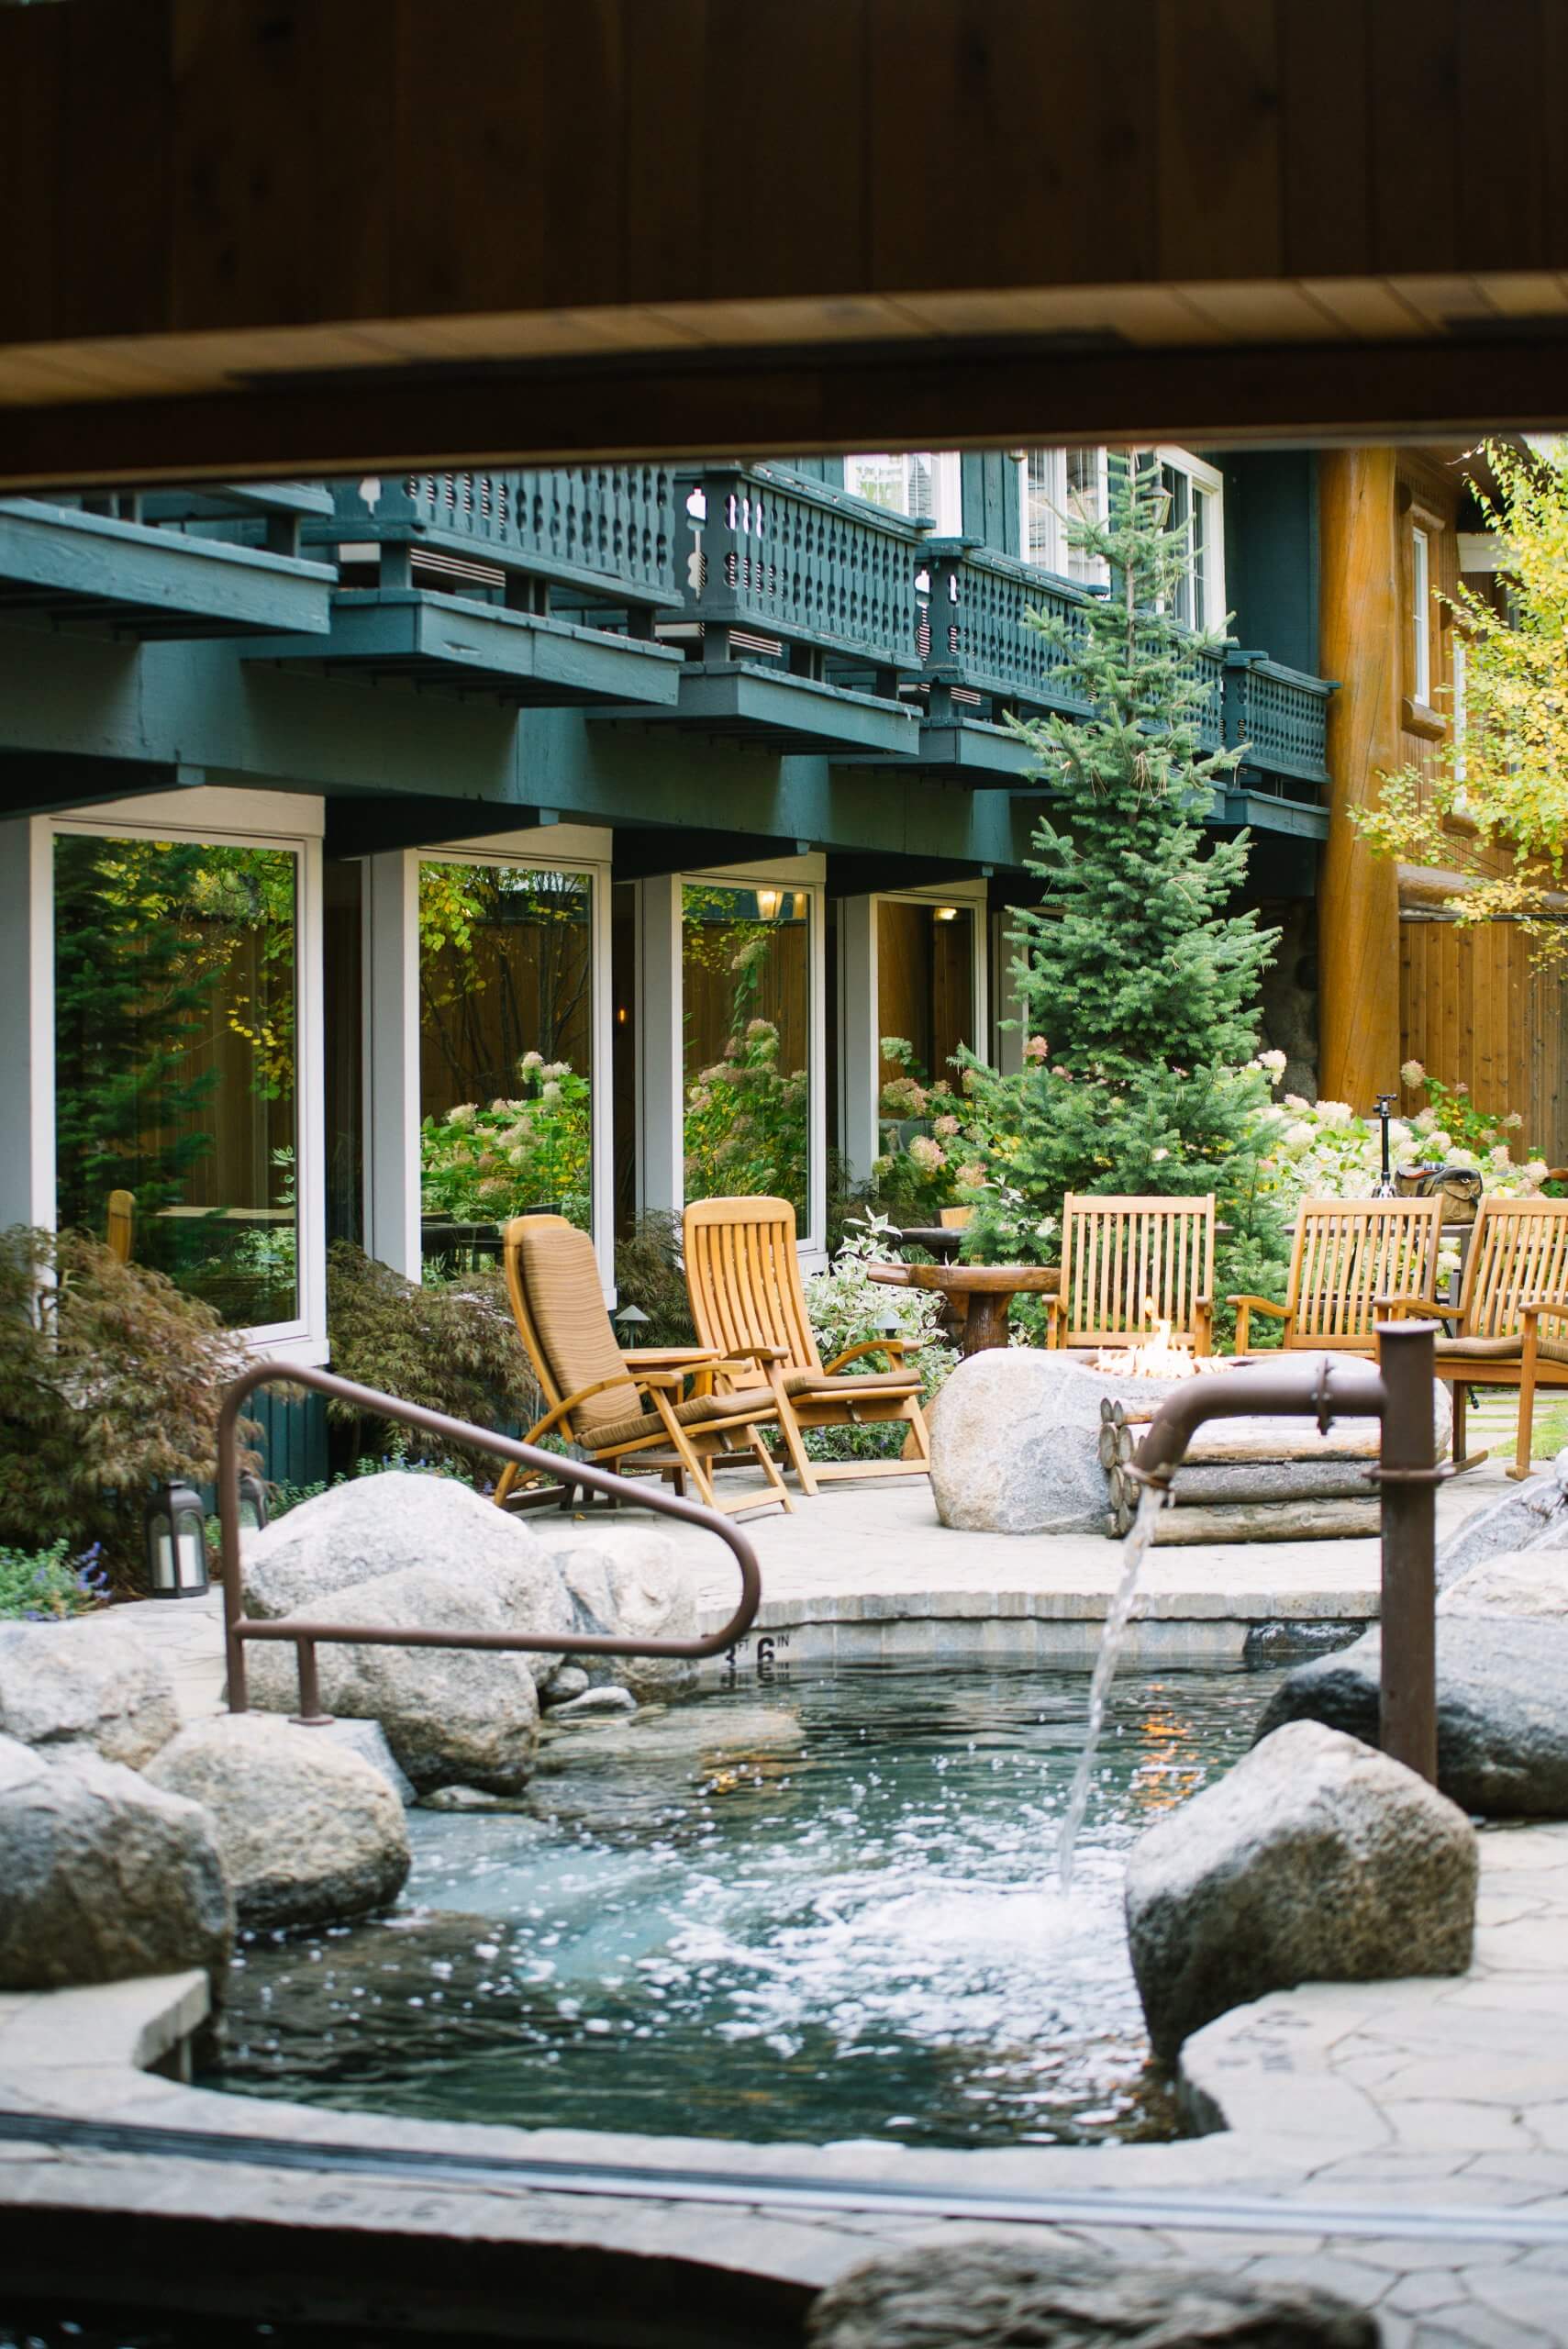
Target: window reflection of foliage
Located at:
point(535, 1150)
point(160, 946)
point(467, 980)
point(746, 1125)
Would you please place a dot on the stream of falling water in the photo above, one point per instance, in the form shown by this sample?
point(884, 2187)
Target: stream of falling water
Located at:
point(1149, 1503)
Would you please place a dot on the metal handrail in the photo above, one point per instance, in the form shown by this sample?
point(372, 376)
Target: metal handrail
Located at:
point(238, 1627)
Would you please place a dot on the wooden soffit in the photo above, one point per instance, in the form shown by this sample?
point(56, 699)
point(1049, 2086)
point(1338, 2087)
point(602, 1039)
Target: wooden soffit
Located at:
point(242, 235)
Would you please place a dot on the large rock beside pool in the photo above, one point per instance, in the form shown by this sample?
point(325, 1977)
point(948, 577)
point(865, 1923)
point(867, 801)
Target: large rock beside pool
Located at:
point(375, 1525)
point(1502, 1710)
point(452, 1715)
point(1004, 2294)
point(1014, 1444)
point(309, 1832)
point(1519, 1582)
point(91, 1685)
point(629, 1582)
point(1531, 1516)
point(1315, 1859)
point(103, 1875)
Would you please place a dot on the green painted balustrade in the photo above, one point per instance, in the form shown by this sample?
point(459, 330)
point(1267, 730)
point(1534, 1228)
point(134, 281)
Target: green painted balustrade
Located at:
point(984, 660)
point(609, 530)
point(825, 573)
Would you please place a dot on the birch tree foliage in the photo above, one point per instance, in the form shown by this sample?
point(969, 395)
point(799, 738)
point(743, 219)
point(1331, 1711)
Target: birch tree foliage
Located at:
point(1504, 770)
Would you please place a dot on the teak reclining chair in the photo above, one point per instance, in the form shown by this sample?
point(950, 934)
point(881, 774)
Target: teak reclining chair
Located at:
point(625, 1410)
point(1128, 1264)
point(1516, 1278)
point(1348, 1258)
point(743, 1276)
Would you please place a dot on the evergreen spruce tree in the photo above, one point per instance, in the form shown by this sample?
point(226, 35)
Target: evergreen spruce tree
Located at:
point(1137, 987)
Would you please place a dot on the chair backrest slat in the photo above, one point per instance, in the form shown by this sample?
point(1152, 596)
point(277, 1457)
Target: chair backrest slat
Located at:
point(552, 1280)
point(1348, 1254)
point(743, 1274)
point(1128, 1264)
point(1519, 1251)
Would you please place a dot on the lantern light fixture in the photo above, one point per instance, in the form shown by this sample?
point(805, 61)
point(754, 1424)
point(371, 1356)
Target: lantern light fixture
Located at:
point(252, 1502)
point(945, 913)
point(769, 902)
point(176, 1543)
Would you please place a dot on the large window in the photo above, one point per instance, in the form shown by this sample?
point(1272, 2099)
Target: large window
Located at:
point(1195, 491)
point(925, 983)
point(746, 1006)
point(176, 971)
point(928, 487)
point(1062, 486)
point(506, 1049)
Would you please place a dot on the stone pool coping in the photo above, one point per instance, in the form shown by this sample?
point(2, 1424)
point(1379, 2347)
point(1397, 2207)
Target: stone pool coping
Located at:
point(1404, 2142)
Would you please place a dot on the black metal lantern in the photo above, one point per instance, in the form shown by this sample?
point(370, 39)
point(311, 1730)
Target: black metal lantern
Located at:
point(176, 1543)
point(252, 1502)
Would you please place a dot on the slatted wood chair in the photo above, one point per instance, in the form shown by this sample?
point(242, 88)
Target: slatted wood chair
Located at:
point(1348, 1256)
point(748, 1299)
point(1516, 1279)
point(1130, 1263)
point(120, 1224)
point(626, 1411)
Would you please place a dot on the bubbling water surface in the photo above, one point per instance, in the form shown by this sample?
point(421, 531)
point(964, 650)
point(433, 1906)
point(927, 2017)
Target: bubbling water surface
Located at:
point(812, 1909)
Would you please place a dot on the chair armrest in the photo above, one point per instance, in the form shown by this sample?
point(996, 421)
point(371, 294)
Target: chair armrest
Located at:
point(1440, 1306)
point(569, 1403)
point(1263, 1305)
point(1550, 1308)
point(896, 1347)
point(670, 1357)
point(761, 1353)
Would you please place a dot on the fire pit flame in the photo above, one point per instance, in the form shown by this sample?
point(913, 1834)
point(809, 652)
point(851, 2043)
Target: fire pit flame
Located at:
point(1156, 1357)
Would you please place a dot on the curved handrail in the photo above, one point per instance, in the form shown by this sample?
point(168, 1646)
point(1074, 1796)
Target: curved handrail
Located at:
point(238, 1627)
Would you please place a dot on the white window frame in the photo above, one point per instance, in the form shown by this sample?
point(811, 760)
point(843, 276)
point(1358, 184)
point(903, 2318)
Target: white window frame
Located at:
point(1421, 615)
point(1057, 557)
point(859, 1018)
point(947, 485)
point(225, 818)
point(392, 1219)
point(1210, 481)
point(662, 1057)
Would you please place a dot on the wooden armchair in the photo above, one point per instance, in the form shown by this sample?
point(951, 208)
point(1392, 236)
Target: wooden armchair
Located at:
point(1349, 1256)
point(1516, 1279)
point(625, 1410)
point(1130, 1263)
point(748, 1302)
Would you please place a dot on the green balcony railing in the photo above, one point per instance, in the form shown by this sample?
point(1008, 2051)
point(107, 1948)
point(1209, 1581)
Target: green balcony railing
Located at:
point(611, 530)
point(981, 652)
point(824, 572)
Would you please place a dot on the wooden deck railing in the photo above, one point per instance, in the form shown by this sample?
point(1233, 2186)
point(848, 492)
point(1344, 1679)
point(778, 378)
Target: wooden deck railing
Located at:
point(815, 567)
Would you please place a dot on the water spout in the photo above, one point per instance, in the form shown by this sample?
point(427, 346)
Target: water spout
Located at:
point(1120, 1613)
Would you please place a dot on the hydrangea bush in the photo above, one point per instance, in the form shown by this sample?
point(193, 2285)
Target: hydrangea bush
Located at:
point(1326, 1150)
point(847, 1308)
point(917, 1173)
point(746, 1127)
point(480, 1165)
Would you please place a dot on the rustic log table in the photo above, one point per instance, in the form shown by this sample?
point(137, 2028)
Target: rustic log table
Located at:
point(985, 1291)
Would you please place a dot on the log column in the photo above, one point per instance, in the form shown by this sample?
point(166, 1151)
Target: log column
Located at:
point(1358, 903)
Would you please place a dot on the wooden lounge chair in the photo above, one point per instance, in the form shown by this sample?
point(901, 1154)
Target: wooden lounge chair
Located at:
point(1515, 1278)
point(626, 1411)
point(1130, 1264)
point(1349, 1257)
point(748, 1300)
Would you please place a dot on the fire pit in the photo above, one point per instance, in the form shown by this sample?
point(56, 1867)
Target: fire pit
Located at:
point(1242, 1480)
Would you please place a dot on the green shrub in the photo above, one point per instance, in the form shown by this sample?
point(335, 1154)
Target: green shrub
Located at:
point(649, 1275)
point(450, 1347)
point(39, 1584)
point(847, 1308)
point(110, 1382)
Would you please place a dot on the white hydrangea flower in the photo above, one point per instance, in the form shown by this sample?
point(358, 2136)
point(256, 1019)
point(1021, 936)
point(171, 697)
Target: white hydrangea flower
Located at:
point(1412, 1072)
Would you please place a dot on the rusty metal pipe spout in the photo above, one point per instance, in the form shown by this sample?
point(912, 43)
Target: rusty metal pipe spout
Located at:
point(1399, 1392)
point(1315, 1386)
